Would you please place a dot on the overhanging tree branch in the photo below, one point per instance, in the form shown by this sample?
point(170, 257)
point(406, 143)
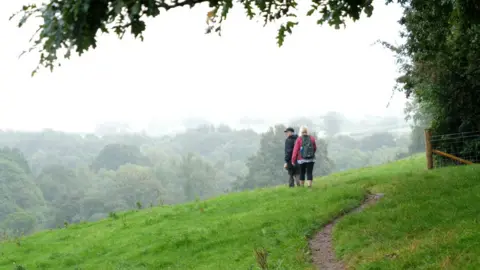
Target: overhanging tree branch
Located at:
point(73, 25)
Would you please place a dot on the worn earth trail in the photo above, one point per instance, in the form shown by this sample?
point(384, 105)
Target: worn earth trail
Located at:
point(321, 244)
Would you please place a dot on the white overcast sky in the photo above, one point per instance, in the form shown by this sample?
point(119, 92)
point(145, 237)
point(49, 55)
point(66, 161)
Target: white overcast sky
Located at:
point(178, 71)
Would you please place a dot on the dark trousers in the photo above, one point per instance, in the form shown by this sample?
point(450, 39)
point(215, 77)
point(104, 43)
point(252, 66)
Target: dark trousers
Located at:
point(306, 168)
point(292, 171)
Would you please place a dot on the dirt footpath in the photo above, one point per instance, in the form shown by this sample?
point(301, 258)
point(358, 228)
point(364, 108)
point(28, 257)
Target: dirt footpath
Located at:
point(321, 244)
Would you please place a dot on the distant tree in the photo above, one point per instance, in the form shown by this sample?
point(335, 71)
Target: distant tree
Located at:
point(63, 192)
point(333, 123)
point(18, 191)
point(16, 156)
point(68, 25)
point(420, 118)
point(57, 182)
point(19, 223)
point(205, 128)
point(134, 183)
point(301, 121)
point(224, 128)
point(377, 140)
point(198, 177)
point(238, 144)
point(266, 166)
point(346, 141)
point(112, 156)
point(94, 205)
point(50, 147)
point(324, 165)
point(195, 122)
point(417, 137)
point(345, 159)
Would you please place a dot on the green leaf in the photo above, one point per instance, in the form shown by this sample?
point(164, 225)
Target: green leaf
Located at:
point(281, 36)
point(135, 9)
point(118, 6)
point(369, 10)
point(137, 27)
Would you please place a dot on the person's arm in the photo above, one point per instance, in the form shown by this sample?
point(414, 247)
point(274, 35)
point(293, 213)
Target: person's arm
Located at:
point(296, 148)
point(314, 144)
point(288, 150)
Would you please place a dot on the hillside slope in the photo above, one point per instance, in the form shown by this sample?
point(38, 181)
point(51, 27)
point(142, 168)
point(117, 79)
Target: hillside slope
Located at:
point(427, 219)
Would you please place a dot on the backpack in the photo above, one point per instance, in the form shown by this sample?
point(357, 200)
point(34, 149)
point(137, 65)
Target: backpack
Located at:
point(307, 148)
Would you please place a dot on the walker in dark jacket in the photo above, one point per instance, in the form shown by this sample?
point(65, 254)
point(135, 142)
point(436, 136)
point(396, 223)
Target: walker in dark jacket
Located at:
point(292, 169)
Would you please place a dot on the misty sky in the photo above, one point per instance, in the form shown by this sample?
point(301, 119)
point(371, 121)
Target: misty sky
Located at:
point(178, 71)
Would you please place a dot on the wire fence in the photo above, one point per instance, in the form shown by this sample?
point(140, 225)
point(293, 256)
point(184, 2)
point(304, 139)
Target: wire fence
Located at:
point(456, 149)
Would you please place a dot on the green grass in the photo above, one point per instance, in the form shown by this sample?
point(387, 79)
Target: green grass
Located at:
point(427, 220)
point(223, 236)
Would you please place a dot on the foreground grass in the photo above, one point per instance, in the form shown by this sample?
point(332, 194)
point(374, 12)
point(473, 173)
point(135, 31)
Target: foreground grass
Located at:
point(221, 233)
point(427, 220)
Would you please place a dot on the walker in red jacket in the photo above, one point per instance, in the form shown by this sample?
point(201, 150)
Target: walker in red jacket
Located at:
point(306, 164)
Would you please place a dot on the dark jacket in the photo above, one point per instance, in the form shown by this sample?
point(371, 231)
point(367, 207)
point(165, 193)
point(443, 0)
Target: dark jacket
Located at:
point(289, 144)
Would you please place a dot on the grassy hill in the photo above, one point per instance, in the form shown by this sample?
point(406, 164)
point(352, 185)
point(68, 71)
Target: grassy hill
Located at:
point(427, 220)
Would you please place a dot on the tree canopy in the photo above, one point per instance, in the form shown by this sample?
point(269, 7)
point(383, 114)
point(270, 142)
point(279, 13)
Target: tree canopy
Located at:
point(73, 25)
point(439, 64)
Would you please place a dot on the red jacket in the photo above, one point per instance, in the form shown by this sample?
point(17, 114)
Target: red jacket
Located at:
point(297, 155)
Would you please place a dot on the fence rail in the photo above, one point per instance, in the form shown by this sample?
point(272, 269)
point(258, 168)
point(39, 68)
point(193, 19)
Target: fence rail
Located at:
point(459, 148)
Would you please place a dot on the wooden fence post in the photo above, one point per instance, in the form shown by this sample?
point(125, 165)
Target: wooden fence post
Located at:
point(428, 148)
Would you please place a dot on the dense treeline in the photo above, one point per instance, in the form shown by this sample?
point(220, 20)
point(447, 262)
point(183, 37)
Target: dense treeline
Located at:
point(440, 65)
point(49, 178)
